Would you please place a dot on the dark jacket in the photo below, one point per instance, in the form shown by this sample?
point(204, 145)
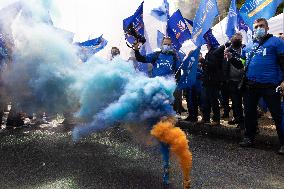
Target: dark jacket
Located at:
point(212, 69)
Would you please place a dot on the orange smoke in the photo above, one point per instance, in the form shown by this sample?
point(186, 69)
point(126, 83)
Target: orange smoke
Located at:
point(166, 132)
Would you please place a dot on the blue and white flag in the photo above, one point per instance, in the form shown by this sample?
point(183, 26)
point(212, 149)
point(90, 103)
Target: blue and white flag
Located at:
point(160, 37)
point(231, 27)
point(241, 24)
point(178, 30)
point(162, 12)
point(91, 47)
point(254, 9)
point(190, 22)
point(203, 20)
point(189, 70)
point(136, 20)
point(210, 39)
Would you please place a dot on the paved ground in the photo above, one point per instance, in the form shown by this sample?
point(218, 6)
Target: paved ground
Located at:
point(46, 158)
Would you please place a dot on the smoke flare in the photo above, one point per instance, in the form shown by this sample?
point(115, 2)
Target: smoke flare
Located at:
point(166, 132)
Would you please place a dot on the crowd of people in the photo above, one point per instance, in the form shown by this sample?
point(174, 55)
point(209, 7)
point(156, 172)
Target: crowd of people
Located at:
point(245, 74)
point(241, 73)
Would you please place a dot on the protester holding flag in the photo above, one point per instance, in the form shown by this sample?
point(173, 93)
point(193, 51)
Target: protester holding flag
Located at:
point(263, 73)
point(165, 65)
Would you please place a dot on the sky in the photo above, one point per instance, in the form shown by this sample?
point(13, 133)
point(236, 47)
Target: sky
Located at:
point(92, 18)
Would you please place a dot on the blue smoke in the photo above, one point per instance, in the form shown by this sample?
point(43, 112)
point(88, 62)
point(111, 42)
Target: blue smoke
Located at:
point(47, 75)
point(117, 94)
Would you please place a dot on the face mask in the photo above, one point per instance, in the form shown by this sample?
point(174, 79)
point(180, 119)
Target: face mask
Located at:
point(236, 43)
point(166, 48)
point(259, 33)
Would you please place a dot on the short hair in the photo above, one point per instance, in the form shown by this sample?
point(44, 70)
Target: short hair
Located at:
point(115, 50)
point(261, 19)
point(166, 37)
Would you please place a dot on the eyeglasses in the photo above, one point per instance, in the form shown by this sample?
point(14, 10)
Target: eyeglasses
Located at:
point(259, 26)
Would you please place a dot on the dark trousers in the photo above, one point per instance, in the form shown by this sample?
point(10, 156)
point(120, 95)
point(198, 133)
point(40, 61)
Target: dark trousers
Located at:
point(237, 100)
point(178, 101)
point(192, 103)
point(273, 101)
point(211, 94)
point(225, 95)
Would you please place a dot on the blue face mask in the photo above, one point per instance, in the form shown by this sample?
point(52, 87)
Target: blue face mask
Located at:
point(259, 33)
point(166, 48)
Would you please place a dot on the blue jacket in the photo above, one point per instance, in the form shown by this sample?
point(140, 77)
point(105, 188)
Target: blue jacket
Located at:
point(164, 64)
point(265, 65)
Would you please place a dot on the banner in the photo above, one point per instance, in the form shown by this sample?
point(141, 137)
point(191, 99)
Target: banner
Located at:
point(203, 20)
point(254, 9)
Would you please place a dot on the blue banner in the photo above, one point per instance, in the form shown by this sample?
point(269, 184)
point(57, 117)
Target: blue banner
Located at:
point(203, 20)
point(232, 20)
point(161, 13)
point(254, 9)
point(136, 20)
point(189, 70)
point(91, 47)
point(178, 30)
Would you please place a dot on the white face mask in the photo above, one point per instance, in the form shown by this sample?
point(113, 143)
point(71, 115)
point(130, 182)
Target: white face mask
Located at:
point(259, 33)
point(166, 48)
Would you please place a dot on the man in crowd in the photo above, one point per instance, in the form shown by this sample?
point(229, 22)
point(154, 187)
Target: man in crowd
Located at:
point(212, 72)
point(230, 54)
point(164, 64)
point(264, 72)
point(234, 74)
point(115, 52)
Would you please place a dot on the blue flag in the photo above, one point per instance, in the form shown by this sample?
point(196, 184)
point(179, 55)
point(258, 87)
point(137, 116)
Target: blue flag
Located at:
point(232, 20)
point(136, 20)
point(254, 9)
point(189, 70)
point(161, 13)
point(210, 39)
point(178, 30)
point(241, 24)
point(160, 37)
point(190, 22)
point(91, 47)
point(203, 20)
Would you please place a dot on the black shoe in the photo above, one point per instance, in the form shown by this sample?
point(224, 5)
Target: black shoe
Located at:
point(214, 123)
point(281, 150)
point(246, 142)
point(234, 121)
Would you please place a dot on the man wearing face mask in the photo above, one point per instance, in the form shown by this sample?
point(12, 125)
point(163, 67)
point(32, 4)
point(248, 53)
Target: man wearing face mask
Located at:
point(263, 72)
point(164, 62)
point(233, 71)
point(114, 52)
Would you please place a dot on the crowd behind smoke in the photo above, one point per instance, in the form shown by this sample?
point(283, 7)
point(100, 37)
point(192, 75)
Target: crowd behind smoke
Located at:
point(46, 75)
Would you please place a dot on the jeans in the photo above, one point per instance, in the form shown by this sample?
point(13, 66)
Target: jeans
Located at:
point(273, 101)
